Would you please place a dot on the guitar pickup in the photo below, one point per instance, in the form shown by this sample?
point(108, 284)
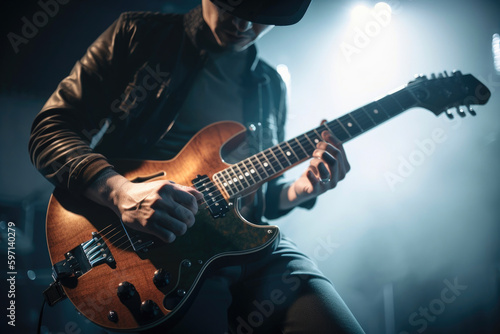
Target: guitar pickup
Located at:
point(216, 203)
point(84, 257)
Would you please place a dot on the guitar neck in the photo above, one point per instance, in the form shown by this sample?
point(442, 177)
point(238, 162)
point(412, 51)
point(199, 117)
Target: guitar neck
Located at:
point(265, 165)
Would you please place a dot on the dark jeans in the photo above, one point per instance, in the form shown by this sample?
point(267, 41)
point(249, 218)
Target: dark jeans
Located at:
point(282, 293)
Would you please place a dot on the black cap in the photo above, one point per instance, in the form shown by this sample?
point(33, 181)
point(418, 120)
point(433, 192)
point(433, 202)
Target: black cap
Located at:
point(271, 12)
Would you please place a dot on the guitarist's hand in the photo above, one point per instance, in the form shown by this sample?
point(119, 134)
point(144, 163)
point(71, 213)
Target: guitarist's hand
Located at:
point(162, 208)
point(328, 166)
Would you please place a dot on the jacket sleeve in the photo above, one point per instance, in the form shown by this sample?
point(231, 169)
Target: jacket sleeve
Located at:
point(274, 187)
point(61, 134)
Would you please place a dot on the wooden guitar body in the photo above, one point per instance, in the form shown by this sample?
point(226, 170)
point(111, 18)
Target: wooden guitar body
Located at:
point(122, 292)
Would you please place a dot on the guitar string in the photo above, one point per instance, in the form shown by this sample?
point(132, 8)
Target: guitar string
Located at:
point(212, 187)
point(129, 240)
point(298, 143)
point(310, 137)
point(294, 145)
point(110, 237)
point(113, 241)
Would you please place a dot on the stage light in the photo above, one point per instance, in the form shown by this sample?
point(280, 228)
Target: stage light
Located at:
point(495, 49)
point(284, 72)
point(379, 6)
point(359, 13)
point(364, 48)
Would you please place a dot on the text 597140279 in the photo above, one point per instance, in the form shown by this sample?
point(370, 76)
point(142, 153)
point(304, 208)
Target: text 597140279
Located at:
point(11, 273)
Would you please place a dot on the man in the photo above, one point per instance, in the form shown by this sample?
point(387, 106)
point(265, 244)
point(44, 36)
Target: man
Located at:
point(144, 88)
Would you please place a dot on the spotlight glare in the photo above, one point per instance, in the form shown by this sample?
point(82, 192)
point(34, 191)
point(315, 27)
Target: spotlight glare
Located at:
point(495, 48)
point(380, 6)
point(284, 72)
point(359, 12)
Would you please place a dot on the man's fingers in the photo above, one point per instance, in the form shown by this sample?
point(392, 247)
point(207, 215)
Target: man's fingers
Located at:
point(174, 209)
point(324, 173)
point(328, 137)
point(164, 234)
point(182, 195)
point(166, 221)
point(334, 147)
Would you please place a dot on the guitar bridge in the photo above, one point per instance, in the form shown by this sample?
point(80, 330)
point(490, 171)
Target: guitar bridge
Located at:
point(84, 257)
point(216, 203)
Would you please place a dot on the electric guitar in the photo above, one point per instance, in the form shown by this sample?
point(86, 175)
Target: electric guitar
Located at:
point(123, 280)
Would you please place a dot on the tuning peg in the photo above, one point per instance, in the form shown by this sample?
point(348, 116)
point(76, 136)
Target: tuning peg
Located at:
point(456, 73)
point(440, 75)
point(471, 111)
point(445, 74)
point(420, 77)
point(449, 114)
point(460, 111)
point(433, 76)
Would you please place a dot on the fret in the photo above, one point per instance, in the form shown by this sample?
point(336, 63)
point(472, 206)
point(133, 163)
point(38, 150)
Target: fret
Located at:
point(224, 183)
point(314, 137)
point(363, 119)
point(369, 116)
point(350, 126)
point(338, 130)
point(241, 176)
point(243, 166)
point(313, 145)
point(259, 166)
point(355, 122)
point(288, 152)
point(376, 112)
point(320, 130)
point(234, 178)
point(256, 172)
point(292, 147)
point(280, 155)
point(273, 160)
point(405, 99)
point(297, 140)
point(268, 168)
point(229, 181)
point(318, 136)
point(390, 105)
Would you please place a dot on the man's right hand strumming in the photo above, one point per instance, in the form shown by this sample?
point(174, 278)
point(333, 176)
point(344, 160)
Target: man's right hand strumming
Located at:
point(162, 208)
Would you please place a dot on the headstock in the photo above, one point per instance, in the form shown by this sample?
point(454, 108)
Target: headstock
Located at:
point(442, 92)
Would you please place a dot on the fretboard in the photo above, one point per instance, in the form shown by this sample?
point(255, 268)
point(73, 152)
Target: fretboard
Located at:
point(265, 165)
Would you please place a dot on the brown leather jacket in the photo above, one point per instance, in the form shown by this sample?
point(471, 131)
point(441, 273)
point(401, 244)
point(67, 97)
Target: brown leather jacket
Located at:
point(123, 93)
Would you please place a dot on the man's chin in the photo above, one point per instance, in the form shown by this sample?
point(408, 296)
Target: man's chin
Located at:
point(236, 47)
